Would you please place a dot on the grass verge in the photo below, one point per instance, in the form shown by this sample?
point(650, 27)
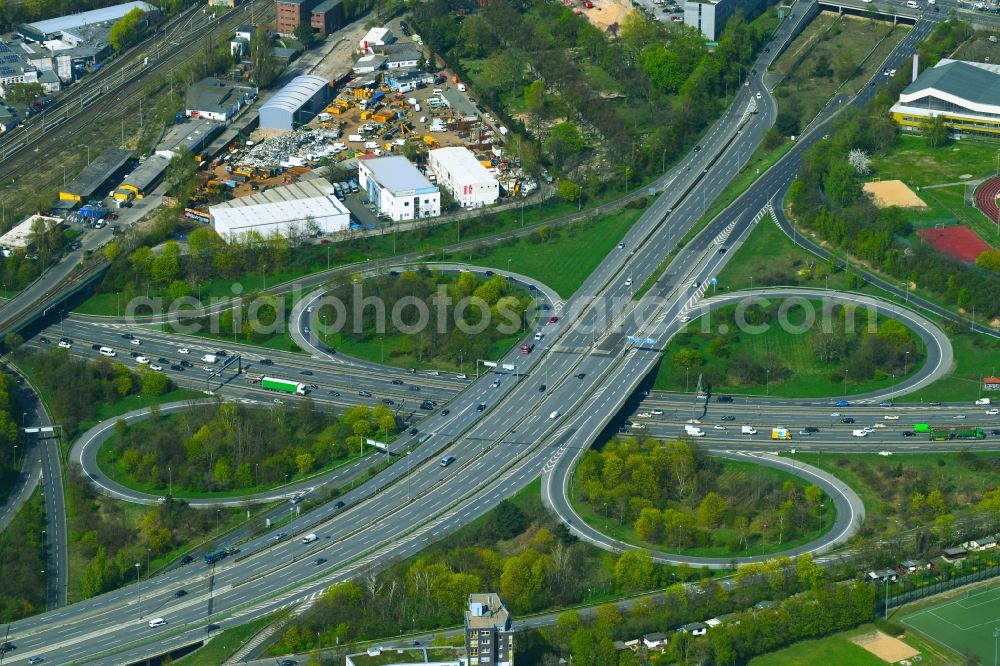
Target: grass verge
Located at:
point(225, 644)
point(838, 649)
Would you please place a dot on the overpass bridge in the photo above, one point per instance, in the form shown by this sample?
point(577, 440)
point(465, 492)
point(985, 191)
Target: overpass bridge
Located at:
point(49, 294)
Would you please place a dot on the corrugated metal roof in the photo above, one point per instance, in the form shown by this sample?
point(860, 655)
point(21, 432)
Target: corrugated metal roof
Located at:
point(281, 205)
point(967, 81)
point(294, 95)
point(54, 25)
point(97, 172)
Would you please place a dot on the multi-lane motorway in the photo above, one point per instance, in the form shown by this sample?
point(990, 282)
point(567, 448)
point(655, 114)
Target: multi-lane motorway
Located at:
point(502, 434)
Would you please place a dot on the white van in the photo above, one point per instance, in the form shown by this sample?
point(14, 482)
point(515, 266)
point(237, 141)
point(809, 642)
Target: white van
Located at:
point(309, 538)
point(157, 622)
point(912, 4)
point(983, 401)
point(638, 426)
point(461, 86)
point(860, 433)
point(748, 430)
point(108, 351)
point(554, 415)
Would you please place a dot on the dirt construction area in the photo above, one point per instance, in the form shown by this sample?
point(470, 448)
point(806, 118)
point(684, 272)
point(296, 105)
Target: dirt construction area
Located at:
point(607, 12)
point(887, 193)
point(885, 647)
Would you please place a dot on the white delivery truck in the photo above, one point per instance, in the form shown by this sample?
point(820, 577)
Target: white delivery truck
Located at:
point(209, 358)
point(694, 431)
point(748, 430)
point(309, 538)
point(983, 401)
point(860, 433)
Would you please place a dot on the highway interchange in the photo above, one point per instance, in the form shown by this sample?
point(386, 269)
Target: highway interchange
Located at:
point(589, 373)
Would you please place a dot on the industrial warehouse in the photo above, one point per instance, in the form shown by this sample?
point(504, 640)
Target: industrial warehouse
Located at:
point(301, 209)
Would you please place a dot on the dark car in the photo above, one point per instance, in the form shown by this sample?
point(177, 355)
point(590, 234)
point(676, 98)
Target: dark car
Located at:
point(427, 406)
point(287, 662)
point(7, 646)
point(187, 559)
point(414, 387)
point(728, 417)
point(95, 346)
point(481, 407)
point(134, 354)
point(934, 404)
point(697, 149)
point(909, 433)
point(162, 360)
point(722, 250)
point(397, 382)
point(43, 339)
point(811, 429)
point(307, 373)
point(187, 364)
point(445, 412)
point(388, 401)
point(724, 398)
point(180, 593)
point(413, 431)
point(581, 375)
point(541, 389)
point(222, 353)
point(127, 336)
point(178, 368)
point(847, 419)
point(365, 394)
point(266, 361)
point(338, 505)
point(335, 394)
point(320, 560)
point(280, 535)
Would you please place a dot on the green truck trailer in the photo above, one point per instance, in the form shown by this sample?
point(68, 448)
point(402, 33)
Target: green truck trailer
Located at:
point(283, 386)
point(941, 433)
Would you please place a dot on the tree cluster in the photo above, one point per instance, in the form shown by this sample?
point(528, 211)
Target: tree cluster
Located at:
point(827, 199)
point(127, 30)
point(230, 446)
point(466, 315)
point(840, 341)
point(541, 52)
point(75, 387)
point(110, 542)
point(517, 550)
point(816, 612)
point(22, 560)
point(8, 434)
point(674, 496)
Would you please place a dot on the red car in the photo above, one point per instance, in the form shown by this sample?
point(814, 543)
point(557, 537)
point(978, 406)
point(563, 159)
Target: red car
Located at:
point(553, 320)
point(588, 4)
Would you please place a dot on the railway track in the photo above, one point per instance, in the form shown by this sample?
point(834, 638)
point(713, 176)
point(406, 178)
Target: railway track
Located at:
point(112, 94)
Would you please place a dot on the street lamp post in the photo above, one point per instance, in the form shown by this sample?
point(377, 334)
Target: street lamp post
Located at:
point(170, 482)
point(461, 361)
point(148, 550)
point(906, 358)
point(138, 595)
point(256, 474)
point(217, 515)
point(996, 635)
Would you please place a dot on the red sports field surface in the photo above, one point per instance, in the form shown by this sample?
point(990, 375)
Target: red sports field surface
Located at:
point(959, 242)
point(986, 198)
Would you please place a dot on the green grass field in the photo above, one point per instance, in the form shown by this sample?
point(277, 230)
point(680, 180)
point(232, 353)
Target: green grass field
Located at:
point(976, 356)
point(804, 374)
point(964, 623)
point(912, 162)
point(838, 650)
point(564, 262)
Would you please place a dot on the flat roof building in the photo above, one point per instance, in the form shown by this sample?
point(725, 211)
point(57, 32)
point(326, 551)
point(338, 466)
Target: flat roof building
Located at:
point(295, 104)
point(327, 16)
point(710, 17)
point(192, 135)
point(489, 631)
point(218, 100)
point(303, 208)
point(98, 176)
point(376, 37)
point(458, 171)
point(398, 189)
point(19, 237)
point(54, 28)
point(290, 13)
point(145, 177)
point(965, 94)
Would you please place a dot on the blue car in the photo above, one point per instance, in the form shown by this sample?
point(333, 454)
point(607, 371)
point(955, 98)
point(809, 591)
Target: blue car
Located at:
point(842, 403)
point(280, 535)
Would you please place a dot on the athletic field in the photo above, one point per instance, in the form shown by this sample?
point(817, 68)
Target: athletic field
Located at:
point(963, 623)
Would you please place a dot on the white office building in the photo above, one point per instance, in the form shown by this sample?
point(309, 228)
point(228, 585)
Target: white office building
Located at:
point(458, 171)
point(303, 208)
point(398, 189)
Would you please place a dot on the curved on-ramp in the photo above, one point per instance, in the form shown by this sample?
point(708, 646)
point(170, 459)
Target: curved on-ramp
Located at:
point(850, 509)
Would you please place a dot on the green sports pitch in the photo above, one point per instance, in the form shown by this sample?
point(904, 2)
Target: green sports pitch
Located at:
point(964, 623)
